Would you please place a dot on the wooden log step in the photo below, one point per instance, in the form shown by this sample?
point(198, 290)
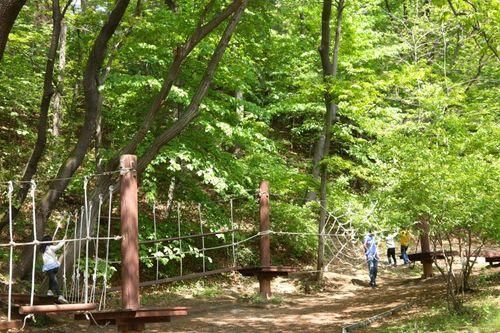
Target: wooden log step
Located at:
point(271, 271)
point(142, 315)
point(57, 308)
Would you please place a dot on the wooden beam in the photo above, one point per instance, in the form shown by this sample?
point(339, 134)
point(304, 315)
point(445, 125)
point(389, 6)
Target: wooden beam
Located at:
point(130, 232)
point(57, 308)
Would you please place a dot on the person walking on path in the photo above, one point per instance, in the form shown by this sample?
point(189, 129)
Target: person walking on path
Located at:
point(371, 253)
point(390, 244)
point(404, 240)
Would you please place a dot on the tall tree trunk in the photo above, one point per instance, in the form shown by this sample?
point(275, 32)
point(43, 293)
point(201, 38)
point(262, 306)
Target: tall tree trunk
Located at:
point(76, 156)
point(318, 155)
point(48, 91)
point(57, 102)
point(330, 67)
point(9, 9)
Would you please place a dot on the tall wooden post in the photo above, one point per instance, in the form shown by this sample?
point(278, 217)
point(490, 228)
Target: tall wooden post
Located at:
point(129, 244)
point(426, 247)
point(265, 240)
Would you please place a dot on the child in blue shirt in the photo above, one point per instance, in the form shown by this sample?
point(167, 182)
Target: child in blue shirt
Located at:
point(371, 253)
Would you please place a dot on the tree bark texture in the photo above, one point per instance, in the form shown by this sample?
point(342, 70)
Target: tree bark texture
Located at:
point(48, 91)
point(330, 67)
point(57, 102)
point(107, 180)
point(9, 10)
point(92, 97)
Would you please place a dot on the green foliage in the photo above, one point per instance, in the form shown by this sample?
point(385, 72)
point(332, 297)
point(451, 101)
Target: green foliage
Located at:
point(417, 131)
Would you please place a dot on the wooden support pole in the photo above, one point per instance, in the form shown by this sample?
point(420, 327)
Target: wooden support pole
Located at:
point(265, 239)
point(130, 234)
point(426, 248)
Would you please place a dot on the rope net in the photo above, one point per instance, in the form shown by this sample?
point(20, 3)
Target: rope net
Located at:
point(82, 271)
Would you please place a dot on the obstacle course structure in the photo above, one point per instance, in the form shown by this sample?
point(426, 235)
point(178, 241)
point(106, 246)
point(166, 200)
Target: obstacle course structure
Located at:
point(265, 272)
point(131, 318)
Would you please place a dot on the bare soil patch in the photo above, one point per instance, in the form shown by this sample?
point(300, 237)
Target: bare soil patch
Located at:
point(346, 298)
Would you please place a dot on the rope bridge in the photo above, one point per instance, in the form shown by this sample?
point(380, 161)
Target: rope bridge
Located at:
point(83, 284)
point(82, 289)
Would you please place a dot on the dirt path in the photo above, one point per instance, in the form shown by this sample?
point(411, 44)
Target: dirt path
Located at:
point(347, 299)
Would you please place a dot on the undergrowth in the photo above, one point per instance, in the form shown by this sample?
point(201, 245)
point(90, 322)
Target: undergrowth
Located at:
point(481, 313)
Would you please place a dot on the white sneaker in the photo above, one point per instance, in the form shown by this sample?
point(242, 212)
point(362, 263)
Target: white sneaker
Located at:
point(62, 300)
point(50, 293)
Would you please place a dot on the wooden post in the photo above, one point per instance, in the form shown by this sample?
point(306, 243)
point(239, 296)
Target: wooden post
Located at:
point(129, 244)
point(265, 240)
point(426, 248)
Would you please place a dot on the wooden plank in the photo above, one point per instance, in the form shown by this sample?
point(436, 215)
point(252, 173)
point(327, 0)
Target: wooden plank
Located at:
point(129, 228)
point(267, 270)
point(57, 308)
point(430, 255)
point(139, 313)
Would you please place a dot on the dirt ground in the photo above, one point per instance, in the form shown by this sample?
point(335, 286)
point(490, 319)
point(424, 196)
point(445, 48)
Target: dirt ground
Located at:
point(345, 299)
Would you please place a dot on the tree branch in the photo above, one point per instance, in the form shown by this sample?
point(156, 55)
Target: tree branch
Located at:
point(193, 109)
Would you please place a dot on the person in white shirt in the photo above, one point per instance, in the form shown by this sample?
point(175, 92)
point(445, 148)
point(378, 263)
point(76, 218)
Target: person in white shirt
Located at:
point(390, 244)
point(51, 266)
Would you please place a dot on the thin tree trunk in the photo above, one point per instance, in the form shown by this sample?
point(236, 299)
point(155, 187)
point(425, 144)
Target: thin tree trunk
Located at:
point(170, 197)
point(48, 91)
point(57, 102)
point(329, 73)
point(318, 155)
point(180, 54)
point(9, 10)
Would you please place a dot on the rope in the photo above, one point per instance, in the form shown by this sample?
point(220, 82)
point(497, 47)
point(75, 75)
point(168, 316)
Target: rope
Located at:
point(156, 244)
point(33, 190)
point(86, 274)
point(79, 255)
point(232, 233)
point(71, 240)
point(87, 227)
point(11, 254)
point(179, 234)
point(65, 285)
point(73, 276)
point(91, 316)
point(202, 238)
point(94, 276)
point(102, 301)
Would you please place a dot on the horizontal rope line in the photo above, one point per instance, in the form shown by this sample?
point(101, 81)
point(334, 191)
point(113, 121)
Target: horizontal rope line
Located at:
point(56, 241)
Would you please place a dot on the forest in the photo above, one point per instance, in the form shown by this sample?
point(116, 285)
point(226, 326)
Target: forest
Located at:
point(362, 116)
